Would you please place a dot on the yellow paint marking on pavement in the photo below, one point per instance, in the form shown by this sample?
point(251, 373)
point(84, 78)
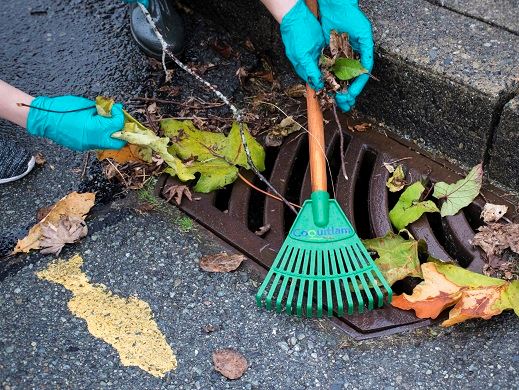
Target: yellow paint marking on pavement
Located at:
point(125, 323)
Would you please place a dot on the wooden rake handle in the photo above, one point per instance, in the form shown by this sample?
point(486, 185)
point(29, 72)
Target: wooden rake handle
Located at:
point(315, 130)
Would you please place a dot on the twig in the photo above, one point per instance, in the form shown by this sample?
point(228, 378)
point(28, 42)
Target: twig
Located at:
point(55, 111)
point(237, 114)
point(163, 101)
point(341, 135)
point(85, 164)
point(263, 192)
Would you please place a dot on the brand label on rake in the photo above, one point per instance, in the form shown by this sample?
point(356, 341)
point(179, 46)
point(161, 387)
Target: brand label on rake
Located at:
point(330, 233)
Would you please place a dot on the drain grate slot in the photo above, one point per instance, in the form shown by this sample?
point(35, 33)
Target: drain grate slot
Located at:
point(361, 194)
point(236, 212)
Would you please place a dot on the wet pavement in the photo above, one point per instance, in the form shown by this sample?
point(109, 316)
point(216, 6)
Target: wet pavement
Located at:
point(85, 47)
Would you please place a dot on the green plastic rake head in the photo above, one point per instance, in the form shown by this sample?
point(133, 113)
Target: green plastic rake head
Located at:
point(320, 266)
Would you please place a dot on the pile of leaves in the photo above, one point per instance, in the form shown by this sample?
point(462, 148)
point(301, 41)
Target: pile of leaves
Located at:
point(212, 160)
point(339, 64)
point(446, 284)
point(63, 223)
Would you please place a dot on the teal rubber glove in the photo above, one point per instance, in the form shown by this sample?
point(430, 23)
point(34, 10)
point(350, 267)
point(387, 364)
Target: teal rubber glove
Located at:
point(346, 16)
point(303, 39)
point(143, 2)
point(77, 130)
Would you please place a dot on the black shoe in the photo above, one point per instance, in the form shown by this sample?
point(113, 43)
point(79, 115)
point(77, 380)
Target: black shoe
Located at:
point(168, 22)
point(15, 161)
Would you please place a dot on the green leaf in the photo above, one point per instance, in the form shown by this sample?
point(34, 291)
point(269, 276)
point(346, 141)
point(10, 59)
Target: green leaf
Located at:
point(397, 180)
point(137, 134)
point(214, 156)
point(397, 257)
point(460, 194)
point(408, 208)
point(235, 152)
point(347, 68)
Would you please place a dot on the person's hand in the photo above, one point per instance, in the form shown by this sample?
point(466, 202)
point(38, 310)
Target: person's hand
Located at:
point(75, 123)
point(303, 39)
point(346, 16)
point(143, 2)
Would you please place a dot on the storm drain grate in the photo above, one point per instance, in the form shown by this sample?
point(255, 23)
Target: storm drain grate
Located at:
point(236, 212)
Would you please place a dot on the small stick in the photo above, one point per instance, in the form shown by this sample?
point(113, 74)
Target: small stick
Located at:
point(85, 164)
point(341, 135)
point(54, 111)
point(263, 192)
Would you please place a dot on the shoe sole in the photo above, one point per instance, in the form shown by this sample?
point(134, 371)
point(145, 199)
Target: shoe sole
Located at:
point(30, 166)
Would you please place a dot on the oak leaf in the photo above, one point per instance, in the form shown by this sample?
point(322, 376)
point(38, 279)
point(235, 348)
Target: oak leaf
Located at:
point(67, 231)
point(177, 192)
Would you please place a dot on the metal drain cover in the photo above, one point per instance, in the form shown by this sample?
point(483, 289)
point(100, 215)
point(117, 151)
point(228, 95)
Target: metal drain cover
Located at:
point(236, 212)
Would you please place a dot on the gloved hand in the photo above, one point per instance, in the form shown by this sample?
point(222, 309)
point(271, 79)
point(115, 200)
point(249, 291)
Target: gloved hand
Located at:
point(77, 130)
point(346, 16)
point(143, 2)
point(303, 39)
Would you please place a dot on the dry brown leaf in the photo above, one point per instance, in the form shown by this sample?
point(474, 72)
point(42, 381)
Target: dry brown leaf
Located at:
point(126, 154)
point(43, 212)
point(39, 159)
point(221, 262)
point(230, 363)
point(262, 230)
point(390, 168)
point(361, 127)
point(496, 237)
point(67, 231)
point(493, 212)
point(296, 91)
point(177, 191)
point(73, 205)
point(286, 127)
point(340, 45)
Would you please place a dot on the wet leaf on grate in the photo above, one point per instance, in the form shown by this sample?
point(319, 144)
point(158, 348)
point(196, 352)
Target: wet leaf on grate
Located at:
point(397, 180)
point(262, 230)
point(473, 295)
point(67, 231)
point(460, 194)
point(496, 237)
point(397, 257)
point(296, 91)
point(230, 363)
point(286, 127)
point(73, 205)
point(213, 155)
point(177, 191)
point(493, 212)
point(409, 208)
point(221, 262)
